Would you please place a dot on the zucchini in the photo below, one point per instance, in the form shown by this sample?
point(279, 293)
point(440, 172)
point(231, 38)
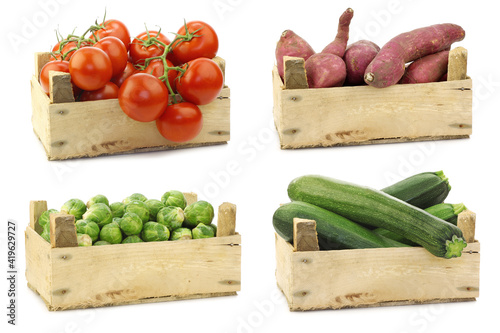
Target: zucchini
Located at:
point(445, 211)
point(376, 208)
point(422, 190)
point(334, 231)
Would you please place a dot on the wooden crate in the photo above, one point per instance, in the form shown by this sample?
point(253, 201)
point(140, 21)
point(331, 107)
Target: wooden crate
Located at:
point(366, 115)
point(336, 279)
point(69, 129)
point(83, 277)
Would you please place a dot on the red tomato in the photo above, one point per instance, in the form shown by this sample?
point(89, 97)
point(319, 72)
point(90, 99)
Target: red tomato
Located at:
point(116, 29)
point(90, 68)
point(128, 71)
point(155, 68)
point(109, 91)
point(54, 65)
point(139, 51)
point(67, 50)
point(204, 46)
point(202, 81)
point(143, 97)
point(180, 122)
point(116, 51)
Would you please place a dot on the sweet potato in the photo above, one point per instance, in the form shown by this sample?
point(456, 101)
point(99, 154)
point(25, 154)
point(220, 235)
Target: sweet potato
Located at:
point(325, 70)
point(338, 45)
point(357, 57)
point(291, 44)
point(388, 66)
point(427, 69)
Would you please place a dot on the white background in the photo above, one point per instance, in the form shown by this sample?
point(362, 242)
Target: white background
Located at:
point(248, 32)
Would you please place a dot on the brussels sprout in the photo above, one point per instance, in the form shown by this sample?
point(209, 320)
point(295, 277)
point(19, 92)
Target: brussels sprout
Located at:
point(74, 207)
point(132, 239)
point(174, 198)
point(45, 217)
point(117, 208)
point(99, 213)
point(101, 242)
point(214, 227)
point(131, 224)
point(97, 199)
point(88, 227)
point(181, 234)
point(134, 197)
point(171, 217)
point(111, 233)
point(202, 231)
point(139, 208)
point(154, 207)
point(46, 232)
point(83, 240)
point(154, 231)
point(198, 212)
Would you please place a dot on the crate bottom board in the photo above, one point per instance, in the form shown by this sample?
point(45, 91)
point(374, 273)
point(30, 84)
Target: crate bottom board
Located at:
point(373, 141)
point(98, 151)
point(138, 301)
point(379, 304)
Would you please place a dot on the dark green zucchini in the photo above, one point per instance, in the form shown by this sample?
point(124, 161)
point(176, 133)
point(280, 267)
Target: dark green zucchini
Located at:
point(422, 190)
point(445, 211)
point(376, 208)
point(334, 231)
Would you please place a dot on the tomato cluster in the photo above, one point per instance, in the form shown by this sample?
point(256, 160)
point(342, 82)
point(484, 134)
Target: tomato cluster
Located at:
point(153, 77)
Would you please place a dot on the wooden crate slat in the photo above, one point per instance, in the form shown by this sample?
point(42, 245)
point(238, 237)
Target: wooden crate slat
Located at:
point(346, 115)
point(352, 278)
point(128, 272)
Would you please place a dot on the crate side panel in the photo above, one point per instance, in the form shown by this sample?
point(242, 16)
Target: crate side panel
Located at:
point(124, 273)
point(100, 127)
point(347, 115)
point(277, 106)
point(351, 278)
point(38, 264)
point(284, 266)
point(40, 114)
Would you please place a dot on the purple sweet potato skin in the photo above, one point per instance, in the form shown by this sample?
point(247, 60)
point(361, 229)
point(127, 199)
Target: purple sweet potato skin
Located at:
point(388, 67)
point(291, 44)
point(357, 57)
point(338, 45)
point(325, 70)
point(427, 69)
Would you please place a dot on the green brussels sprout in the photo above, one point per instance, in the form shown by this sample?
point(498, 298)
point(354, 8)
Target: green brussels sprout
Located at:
point(101, 242)
point(74, 207)
point(134, 197)
point(154, 232)
point(214, 227)
point(132, 239)
point(202, 231)
point(154, 207)
point(46, 232)
point(99, 213)
point(97, 199)
point(174, 198)
point(198, 212)
point(88, 227)
point(139, 208)
point(181, 234)
point(117, 208)
point(130, 224)
point(111, 233)
point(83, 240)
point(45, 217)
point(171, 217)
